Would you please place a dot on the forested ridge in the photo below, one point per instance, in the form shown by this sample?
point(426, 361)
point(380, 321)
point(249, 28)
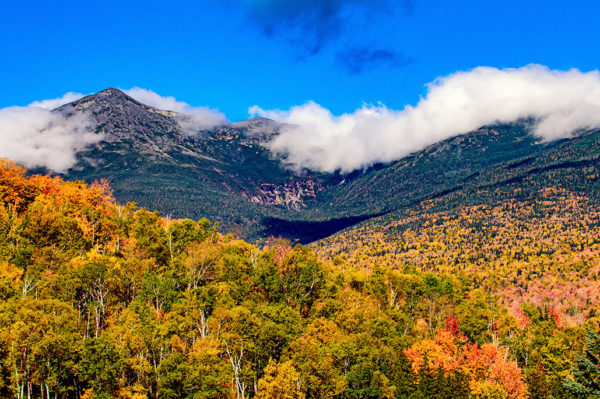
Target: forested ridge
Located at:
point(104, 300)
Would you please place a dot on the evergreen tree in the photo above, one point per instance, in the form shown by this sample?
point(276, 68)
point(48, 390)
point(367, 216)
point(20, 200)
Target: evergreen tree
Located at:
point(586, 383)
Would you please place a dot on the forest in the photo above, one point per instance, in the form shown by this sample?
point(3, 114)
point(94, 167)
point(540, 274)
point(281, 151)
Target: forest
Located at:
point(108, 300)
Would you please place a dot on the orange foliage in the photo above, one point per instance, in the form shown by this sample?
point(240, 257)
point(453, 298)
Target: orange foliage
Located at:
point(52, 197)
point(484, 365)
point(17, 189)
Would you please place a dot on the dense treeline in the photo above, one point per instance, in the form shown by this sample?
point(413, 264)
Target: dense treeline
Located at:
point(102, 300)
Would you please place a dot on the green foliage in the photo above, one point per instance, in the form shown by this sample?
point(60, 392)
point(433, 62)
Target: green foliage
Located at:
point(100, 366)
point(433, 383)
point(586, 374)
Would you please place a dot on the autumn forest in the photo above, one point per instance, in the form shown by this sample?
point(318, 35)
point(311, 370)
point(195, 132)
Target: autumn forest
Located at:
point(108, 300)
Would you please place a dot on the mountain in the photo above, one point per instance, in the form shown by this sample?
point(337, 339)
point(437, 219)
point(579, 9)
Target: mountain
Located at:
point(228, 175)
point(224, 174)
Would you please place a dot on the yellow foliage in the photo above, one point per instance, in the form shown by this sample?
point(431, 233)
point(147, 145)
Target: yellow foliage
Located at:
point(10, 278)
point(281, 381)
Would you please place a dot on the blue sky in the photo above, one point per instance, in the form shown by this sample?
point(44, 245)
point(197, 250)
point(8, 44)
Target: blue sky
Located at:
point(234, 54)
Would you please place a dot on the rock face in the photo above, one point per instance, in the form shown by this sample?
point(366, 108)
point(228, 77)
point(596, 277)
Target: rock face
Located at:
point(121, 117)
point(295, 194)
point(127, 126)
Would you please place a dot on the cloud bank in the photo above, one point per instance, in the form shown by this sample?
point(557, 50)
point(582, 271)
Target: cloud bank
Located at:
point(56, 102)
point(193, 118)
point(560, 101)
point(33, 136)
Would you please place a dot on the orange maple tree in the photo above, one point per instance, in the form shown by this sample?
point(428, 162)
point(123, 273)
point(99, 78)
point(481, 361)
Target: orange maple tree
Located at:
point(487, 367)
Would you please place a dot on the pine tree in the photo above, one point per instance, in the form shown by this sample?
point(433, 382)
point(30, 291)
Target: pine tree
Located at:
point(586, 383)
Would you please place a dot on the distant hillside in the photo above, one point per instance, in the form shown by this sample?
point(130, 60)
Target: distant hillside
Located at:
point(526, 229)
point(224, 173)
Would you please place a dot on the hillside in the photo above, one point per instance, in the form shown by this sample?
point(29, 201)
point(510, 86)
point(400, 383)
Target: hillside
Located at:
point(101, 300)
point(525, 230)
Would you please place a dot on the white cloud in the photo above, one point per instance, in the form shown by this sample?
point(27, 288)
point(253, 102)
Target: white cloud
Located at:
point(192, 118)
point(57, 102)
point(561, 101)
point(33, 136)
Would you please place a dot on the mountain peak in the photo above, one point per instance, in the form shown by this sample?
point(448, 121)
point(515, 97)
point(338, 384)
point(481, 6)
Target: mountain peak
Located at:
point(111, 91)
point(113, 100)
point(259, 127)
point(120, 116)
point(101, 101)
point(112, 95)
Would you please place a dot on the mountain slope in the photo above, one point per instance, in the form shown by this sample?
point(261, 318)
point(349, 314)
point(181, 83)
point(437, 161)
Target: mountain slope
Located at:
point(525, 230)
point(460, 170)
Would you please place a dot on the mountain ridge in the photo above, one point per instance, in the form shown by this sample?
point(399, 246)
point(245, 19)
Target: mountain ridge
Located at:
point(228, 174)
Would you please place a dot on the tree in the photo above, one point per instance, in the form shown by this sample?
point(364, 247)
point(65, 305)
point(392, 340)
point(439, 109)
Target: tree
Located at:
point(17, 191)
point(40, 344)
point(281, 381)
point(100, 366)
point(313, 358)
point(486, 366)
point(586, 381)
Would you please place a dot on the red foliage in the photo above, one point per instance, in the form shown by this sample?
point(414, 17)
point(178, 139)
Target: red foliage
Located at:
point(484, 365)
point(103, 187)
point(281, 248)
point(523, 319)
point(556, 317)
point(452, 326)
